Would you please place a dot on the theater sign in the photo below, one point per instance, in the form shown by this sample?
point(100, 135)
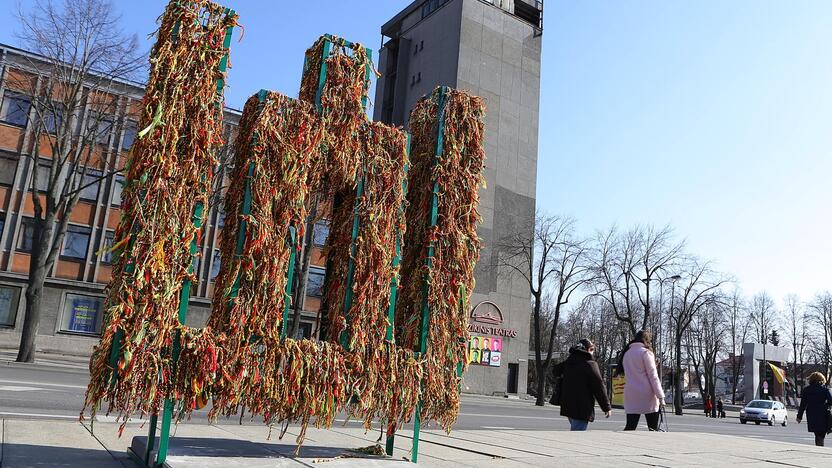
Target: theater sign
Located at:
point(487, 319)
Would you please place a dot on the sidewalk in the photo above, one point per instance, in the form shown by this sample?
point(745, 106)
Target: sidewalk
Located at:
point(64, 361)
point(65, 443)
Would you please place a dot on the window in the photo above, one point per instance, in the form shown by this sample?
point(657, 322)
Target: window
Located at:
point(53, 118)
point(42, 184)
point(82, 314)
point(320, 233)
point(76, 241)
point(99, 127)
point(432, 5)
point(304, 331)
point(89, 185)
point(130, 129)
point(2, 223)
point(106, 254)
point(9, 299)
point(215, 264)
point(221, 215)
point(7, 170)
point(118, 186)
point(315, 285)
point(15, 109)
point(26, 234)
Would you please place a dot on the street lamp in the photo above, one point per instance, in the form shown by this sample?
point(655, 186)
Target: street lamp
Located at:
point(659, 341)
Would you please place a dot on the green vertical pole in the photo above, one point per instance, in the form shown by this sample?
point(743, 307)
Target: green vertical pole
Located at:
point(290, 274)
point(185, 295)
point(421, 347)
point(394, 290)
point(348, 296)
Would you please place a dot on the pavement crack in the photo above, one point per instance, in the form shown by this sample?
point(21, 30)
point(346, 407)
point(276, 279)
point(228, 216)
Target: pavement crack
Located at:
point(88, 429)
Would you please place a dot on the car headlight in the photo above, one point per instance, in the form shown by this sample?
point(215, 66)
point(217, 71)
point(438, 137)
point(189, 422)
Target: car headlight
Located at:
point(742, 411)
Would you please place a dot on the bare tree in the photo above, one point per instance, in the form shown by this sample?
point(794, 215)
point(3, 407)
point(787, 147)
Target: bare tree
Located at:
point(797, 335)
point(550, 261)
point(699, 290)
point(626, 264)
point(738, 328)
point(821, 308)
point(706, 338)
point(762, 312)
point(84, 57)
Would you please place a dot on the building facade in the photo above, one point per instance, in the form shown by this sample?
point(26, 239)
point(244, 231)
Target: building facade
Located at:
point(491, 49)
point(73, 301)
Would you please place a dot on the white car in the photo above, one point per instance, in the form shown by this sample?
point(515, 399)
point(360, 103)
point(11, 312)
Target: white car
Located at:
point(765, 411)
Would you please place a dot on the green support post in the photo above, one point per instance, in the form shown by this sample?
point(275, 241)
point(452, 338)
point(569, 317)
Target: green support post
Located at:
point(394, 292)
point(184, 297)
point(290, 274)
point(329, 42)
point(421, 347)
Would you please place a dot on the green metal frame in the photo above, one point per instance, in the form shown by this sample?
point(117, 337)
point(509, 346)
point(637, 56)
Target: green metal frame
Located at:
point(421, 346)
point(329, 43)
point(394, 293)
point(184, 298)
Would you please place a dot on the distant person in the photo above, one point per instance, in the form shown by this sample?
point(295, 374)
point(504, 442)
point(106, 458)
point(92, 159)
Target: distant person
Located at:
point(643, 392)
point(720, 409)
point(581, 386)
point(708, 406)
point(815, 399)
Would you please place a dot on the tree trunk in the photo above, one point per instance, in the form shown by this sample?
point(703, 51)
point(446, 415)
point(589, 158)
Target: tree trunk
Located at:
point(302, 270)
point(541, 384)
point(677, 397)
point(34, 289)
point(735, 375)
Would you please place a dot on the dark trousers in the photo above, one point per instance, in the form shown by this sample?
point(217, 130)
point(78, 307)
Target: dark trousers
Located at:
point(819, 436)
point(652, 421)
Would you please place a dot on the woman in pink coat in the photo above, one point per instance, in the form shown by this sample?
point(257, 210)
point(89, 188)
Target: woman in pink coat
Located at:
point(642, 389)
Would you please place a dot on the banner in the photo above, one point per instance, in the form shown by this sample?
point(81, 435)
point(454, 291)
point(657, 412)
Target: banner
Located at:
point(618, 390)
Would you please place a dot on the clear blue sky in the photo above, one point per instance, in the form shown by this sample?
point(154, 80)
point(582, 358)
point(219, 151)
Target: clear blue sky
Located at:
point(709, 115)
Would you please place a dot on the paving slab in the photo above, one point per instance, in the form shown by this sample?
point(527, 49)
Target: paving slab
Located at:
point(52, 443)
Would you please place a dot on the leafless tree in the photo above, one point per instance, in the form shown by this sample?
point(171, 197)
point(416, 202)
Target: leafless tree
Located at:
point(706, 338)
point(797, 335)
point(699, 289)
point(821, 315)
point(738, 328)
point(763, 314)
point(626, 265)
point(84, 56)
point(550, 261)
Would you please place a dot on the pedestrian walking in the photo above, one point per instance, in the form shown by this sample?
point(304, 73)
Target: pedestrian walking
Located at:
point(708, 406)
point(643, 392)
point(580, 386)
point(815, 401)
point(720, 409)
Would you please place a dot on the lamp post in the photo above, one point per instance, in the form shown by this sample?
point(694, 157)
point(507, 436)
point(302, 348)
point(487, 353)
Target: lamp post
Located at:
point(660, 340)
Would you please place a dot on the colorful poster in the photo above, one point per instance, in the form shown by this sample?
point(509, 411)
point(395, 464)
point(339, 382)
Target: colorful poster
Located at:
point(485, 351)
point(83, 315)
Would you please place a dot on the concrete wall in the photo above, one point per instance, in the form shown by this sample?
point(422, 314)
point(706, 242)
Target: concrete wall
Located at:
point(753, 354)
point(487, 51)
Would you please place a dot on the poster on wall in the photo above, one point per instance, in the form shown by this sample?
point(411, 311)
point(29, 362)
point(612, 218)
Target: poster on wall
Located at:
point(485, 351)
point(83, 315)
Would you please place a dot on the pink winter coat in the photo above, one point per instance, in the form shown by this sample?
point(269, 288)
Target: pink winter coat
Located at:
point(642, 388)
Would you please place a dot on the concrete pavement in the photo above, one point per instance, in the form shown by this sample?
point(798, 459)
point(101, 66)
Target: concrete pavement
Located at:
point(62, 443)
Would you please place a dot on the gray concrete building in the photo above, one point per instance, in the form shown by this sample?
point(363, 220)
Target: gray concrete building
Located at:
point(491, 49)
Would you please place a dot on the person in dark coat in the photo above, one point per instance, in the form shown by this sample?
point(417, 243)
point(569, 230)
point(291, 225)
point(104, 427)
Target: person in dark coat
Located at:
point(581, 386)
point(720, 409)
point(814, 401)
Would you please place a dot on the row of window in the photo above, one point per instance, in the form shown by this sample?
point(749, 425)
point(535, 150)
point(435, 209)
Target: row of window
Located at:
point(79, 313)
point(90, 182)
point(14, 110)
point(77, 241)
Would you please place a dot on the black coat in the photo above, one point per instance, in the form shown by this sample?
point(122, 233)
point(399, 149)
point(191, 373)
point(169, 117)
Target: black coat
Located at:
point(581, 386)
point(813, 401)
